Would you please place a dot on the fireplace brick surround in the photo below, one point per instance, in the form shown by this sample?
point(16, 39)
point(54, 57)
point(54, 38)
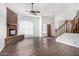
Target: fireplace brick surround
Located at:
point(12, 26)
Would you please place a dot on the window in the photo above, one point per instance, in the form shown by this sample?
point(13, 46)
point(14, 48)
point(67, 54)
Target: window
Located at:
point(26, 27)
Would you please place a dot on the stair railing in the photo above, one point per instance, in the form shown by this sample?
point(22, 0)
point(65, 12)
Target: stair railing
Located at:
point(62, 29)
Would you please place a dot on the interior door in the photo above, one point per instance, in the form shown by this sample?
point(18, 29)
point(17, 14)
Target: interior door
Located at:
point(49, 30)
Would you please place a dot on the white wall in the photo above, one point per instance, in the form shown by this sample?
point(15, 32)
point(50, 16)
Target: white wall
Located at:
point(36, 27)
point(26, 19)
point(2, 25)
point(46, 20)
point(40, 27)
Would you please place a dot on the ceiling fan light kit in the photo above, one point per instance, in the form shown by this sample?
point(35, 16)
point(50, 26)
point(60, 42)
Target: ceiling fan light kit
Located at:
point(32, 11)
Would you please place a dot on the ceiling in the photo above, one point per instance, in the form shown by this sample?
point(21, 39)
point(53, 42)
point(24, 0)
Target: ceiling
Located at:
point(46, 9)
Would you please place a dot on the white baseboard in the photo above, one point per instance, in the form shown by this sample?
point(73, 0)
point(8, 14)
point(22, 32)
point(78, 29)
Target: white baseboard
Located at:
point(2, 48)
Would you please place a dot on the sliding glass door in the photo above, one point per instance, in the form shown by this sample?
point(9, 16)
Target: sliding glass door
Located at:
point(26, 28)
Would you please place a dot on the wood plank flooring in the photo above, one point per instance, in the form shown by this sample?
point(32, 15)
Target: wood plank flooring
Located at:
point(40, 47)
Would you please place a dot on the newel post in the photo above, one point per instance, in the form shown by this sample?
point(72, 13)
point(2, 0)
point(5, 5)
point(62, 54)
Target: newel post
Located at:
point(66, 25)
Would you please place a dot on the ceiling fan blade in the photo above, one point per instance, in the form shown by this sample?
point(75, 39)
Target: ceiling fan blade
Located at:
point(33, 11)
point(37, 11)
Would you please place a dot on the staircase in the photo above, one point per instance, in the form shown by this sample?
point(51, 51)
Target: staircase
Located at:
point(65, 28)
point(75, 28)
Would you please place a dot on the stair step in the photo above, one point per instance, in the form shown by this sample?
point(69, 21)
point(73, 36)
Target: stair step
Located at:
point(4, 54)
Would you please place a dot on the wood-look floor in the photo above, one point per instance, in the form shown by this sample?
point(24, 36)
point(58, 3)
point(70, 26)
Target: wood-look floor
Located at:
point(40, 47)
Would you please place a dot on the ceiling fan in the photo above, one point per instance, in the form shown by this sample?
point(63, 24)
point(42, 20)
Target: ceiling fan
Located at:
point(32, 11)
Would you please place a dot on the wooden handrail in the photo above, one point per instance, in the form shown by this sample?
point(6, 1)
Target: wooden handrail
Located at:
point(62, 25)
point(59, 30)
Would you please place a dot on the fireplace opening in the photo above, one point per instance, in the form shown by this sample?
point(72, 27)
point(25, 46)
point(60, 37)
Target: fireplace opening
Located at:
point(12, 32)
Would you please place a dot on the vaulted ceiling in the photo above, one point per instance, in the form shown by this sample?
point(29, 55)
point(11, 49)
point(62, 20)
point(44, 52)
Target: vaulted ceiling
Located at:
point(46, 9)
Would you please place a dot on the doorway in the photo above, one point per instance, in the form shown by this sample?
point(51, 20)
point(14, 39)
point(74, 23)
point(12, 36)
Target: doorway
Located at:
point(48, 30)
